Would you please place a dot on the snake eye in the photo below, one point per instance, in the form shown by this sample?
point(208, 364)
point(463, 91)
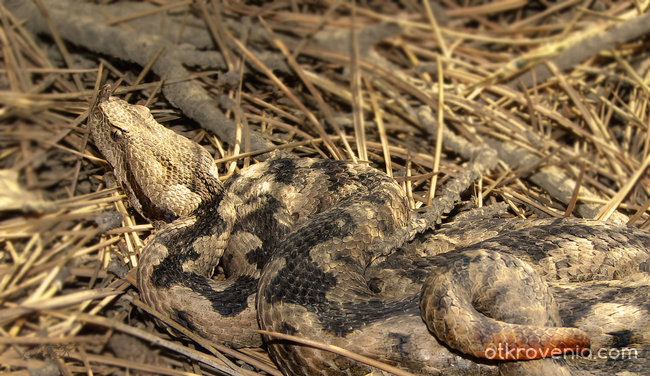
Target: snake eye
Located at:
point(116, 134)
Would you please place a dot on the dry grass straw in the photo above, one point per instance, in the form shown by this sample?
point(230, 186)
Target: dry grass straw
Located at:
point(65, 287)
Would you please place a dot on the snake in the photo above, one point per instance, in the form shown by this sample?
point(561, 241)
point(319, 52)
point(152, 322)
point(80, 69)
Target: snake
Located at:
point(295, 246)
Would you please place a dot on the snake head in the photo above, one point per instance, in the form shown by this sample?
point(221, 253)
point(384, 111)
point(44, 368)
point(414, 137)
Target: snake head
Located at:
point(165, 175)
point(112, 119)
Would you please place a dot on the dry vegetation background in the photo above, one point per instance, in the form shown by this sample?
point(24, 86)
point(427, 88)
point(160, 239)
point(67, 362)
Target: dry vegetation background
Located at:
point(558, 88)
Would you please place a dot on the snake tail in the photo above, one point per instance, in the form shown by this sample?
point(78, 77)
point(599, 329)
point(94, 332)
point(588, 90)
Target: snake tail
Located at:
point(462, 304)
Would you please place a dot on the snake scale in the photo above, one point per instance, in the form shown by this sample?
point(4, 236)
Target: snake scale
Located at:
point(296, 243)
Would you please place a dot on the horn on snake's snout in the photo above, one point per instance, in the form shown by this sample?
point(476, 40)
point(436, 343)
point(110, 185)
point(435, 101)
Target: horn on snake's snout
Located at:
point(491, 305)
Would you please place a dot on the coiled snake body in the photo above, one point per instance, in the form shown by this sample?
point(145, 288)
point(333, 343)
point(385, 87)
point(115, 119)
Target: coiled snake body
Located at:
point(299, 242)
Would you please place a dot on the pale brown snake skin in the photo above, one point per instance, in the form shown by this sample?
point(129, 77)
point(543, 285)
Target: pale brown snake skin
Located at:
point(295, 239)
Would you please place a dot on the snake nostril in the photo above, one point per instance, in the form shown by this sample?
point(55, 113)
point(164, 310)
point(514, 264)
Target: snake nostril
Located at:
point(376, 285)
